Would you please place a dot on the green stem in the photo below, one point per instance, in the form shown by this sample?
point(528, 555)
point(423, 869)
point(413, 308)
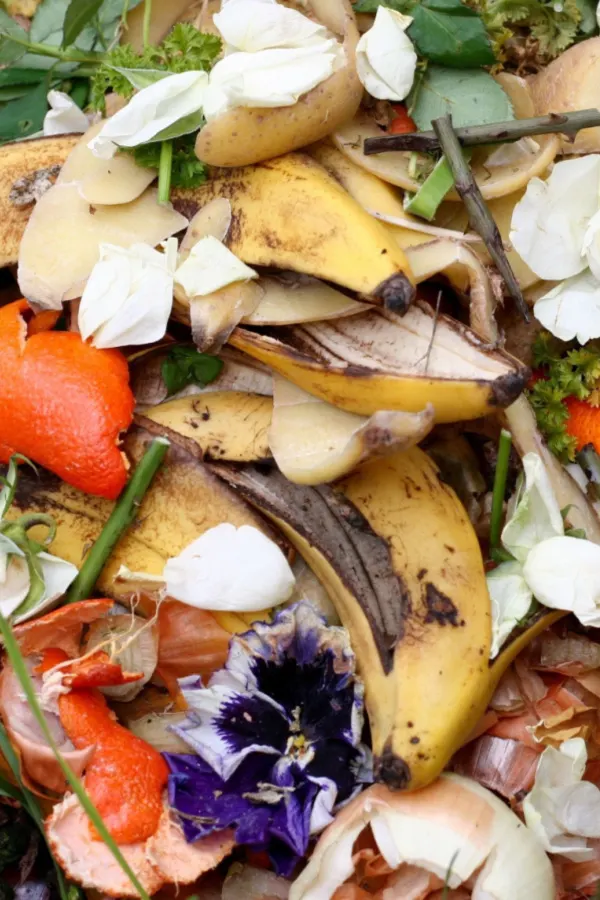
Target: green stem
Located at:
point(164, 171)
point(55, 52)
point(146, 23)
point(499, 491)
point(120, 519)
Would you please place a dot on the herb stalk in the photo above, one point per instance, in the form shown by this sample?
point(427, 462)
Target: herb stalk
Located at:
point(165, 168)
point(146, 23)
point(500, 476)
point(120, 519)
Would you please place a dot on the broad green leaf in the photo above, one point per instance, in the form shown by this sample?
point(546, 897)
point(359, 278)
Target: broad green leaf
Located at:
point(22, 117)
point(80, 92)
point(190, 123)
point(588, 24)
point(141, 78)
point(16, 76)
point(371, 6)
point(449, 33)
point(10, 51)
point(471, 97)
point(13, 93)
point(77, 16)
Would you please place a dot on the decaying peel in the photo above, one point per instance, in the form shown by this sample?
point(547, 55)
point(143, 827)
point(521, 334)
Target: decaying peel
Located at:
point(290, 299)
point(164, 858)
point(314, 442)
point(394, 167)
point(63, 222)
point(378, 360)
point(289, 213)
point(228, 425)
point(19, 164)
point(104, 181)
point(185, 501)
point(269, 133)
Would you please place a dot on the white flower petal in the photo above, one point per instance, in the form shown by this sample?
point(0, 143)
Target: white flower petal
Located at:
point(128, 297)
point(385, 56)
point(14, 576)
point(151, 111)
point(210, 267)
point(229, 568)
point(64, 116)
point(58, 575)
point(571, 309)
point(591, 244)
point(549, 223)
point(564, 573)
point(322, 812)
point(253, 25)
point(511, 599)
point(536, 514)
point(561, 809)
point(270, 78)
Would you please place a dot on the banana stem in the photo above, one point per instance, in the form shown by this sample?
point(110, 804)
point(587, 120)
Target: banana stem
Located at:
point(478, 135)
point(500, 476)
point(480, 218)
point(120, 519)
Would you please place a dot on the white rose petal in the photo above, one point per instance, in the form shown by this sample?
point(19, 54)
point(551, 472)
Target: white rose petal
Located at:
point(232, 569)
point(64, 116)
point(385, 56)
point(511, 599)
point(269, 78)
point(564, 573)
point(151, 111)
point(536, 514)
point(210, 267)
point(129, 294)
point(15, 579)
point(561, 809)
point(590, 247)
point(549, 223)
point(571, 309)
point(253, 25)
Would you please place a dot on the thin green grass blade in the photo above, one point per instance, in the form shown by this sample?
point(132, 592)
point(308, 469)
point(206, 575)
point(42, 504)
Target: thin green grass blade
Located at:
point(18, 663)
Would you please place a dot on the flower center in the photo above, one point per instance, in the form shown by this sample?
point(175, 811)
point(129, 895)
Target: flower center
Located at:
point(298, 747)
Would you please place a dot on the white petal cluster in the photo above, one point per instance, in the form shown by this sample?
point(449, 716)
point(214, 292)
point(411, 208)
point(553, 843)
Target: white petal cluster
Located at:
point(64, 116)
point(563, 810)
point(209, 267)
point(230, 569)
point(129, 295)
point(273, 55)
point(385, 56)
point(559, 571)
point(555, 229)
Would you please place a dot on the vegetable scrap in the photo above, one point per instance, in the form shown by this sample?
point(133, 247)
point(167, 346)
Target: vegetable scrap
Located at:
point(299, 497)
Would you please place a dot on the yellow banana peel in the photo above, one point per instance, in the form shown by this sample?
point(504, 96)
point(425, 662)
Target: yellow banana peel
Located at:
point(231, 425)
point(378, 360)
point(289, 213)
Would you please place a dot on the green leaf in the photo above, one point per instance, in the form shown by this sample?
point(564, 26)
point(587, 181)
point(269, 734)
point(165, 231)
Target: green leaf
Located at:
point(141, 78)
point(10, 51)
point(187, 171)
point(16, 76)
point(77, 16)
point(449, 33)
point(181, 127)
point(371, 6)
point(22, 117)
point(588, 24)
point(470, 97)
point(186, 365)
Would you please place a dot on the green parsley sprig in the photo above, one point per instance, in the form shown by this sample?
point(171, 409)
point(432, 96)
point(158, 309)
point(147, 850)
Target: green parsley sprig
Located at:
point(568, 371)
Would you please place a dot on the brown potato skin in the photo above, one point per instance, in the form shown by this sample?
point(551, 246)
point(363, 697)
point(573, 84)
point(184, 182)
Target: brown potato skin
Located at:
point(569, 83)
point(245, 136)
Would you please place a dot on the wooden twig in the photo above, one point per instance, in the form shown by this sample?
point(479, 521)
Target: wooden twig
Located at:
point(480, 218)
point(476, 135)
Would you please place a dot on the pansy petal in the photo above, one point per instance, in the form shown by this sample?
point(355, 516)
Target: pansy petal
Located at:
point(564, 573)
point(549, 223)
point(322, 811)
point(572, 309)
point(534, 513)
point(385, 56)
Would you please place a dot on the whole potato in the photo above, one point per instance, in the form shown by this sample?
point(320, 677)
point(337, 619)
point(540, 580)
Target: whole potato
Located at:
point(244, 136)
point(571, 82)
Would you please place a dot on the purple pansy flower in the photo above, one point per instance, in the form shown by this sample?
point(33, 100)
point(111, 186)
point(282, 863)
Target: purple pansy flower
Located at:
point(276, 736)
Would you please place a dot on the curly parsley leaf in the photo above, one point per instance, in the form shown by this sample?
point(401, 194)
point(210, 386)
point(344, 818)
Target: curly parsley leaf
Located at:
point(187, 170)
point(186, 365)
point(553, 25)
point(566, 372)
